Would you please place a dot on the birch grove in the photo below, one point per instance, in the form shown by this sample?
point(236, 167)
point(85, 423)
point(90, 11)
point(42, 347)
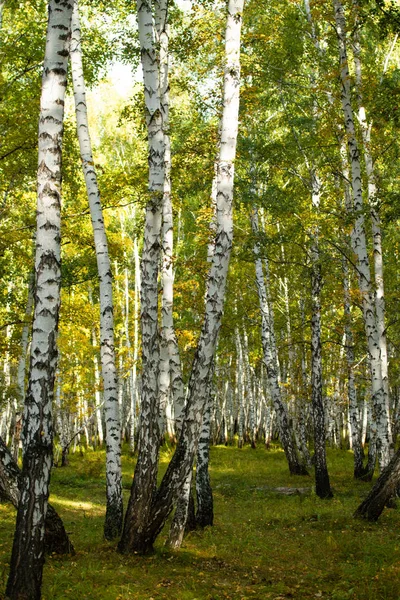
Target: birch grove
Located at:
point(246, 248)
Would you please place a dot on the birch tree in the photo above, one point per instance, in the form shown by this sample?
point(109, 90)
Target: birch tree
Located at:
point(114, 511)
point(27, 557)
point(373, 200)
point(322, 484)
point(140, 503)
point(55, 537)
point(149, 508)
point(271, 361)
point(360, 247)
point(171, 383)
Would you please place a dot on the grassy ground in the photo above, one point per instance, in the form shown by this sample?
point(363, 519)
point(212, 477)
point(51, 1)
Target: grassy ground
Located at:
point(263, 544)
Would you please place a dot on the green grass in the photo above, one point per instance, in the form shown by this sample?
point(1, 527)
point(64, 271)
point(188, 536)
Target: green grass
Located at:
point(263, 545)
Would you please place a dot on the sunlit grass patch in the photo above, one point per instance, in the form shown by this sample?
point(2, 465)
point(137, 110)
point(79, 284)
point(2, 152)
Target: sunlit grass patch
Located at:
point(263, 545)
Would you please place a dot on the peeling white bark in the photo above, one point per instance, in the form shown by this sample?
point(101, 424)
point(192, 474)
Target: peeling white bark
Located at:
point(27, 554)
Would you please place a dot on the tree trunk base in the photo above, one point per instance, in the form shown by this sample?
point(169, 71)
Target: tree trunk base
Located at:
point(56, 540)
point(113, 521)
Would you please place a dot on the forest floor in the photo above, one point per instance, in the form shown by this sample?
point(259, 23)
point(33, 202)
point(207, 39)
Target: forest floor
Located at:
point(265, 544)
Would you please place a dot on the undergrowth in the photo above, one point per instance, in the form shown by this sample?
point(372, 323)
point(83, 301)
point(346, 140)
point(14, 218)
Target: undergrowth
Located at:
point(264, 544)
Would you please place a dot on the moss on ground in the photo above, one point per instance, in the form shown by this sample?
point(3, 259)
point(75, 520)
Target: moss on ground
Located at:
point(264, 545)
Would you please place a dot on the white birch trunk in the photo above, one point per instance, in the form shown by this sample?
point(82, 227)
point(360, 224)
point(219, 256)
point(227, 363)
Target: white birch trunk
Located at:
point(114, 511)
point(271, 362)
point(360, 247)
point(2, 3)
point(135, 394)
point(354, 413)
point(139, 511)
point(372, 194)
point(139, 534)
point(171, 383)
point(28, 548)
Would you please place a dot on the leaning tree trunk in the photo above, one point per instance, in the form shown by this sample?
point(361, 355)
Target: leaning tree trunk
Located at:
point(384, 489)
point(146, 513)
point(114, 514)
point(55, 537)
point(139, 511)
point(384, 440)
point(27, 558)
point(271, 362)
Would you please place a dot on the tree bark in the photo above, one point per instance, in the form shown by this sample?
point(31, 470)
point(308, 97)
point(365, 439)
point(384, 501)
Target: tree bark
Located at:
point(322, 485)
point(373, 200)
point(205, 504)
point(171, 383)
point(271, 361)
point(384, 441)
point(27, 558)
point(114, 511)
point(55, 537)
point(139, 511)
point(147, 513)
point(384, 489)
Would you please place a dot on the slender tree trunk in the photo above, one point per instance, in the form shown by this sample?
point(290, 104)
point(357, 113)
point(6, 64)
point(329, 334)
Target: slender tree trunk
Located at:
point(250, 395)
point(171, 383)
point(355, 424)
point(205, 504)
point(322, 485)
point(239, 388)
point(114, 511)
point(139, 511)
point(146, 513)
point(373, 199)
point(2, 3)
point(271, 362)
point(360, 246)
point(135, 394)
point(21, 370)
point(27, 557)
